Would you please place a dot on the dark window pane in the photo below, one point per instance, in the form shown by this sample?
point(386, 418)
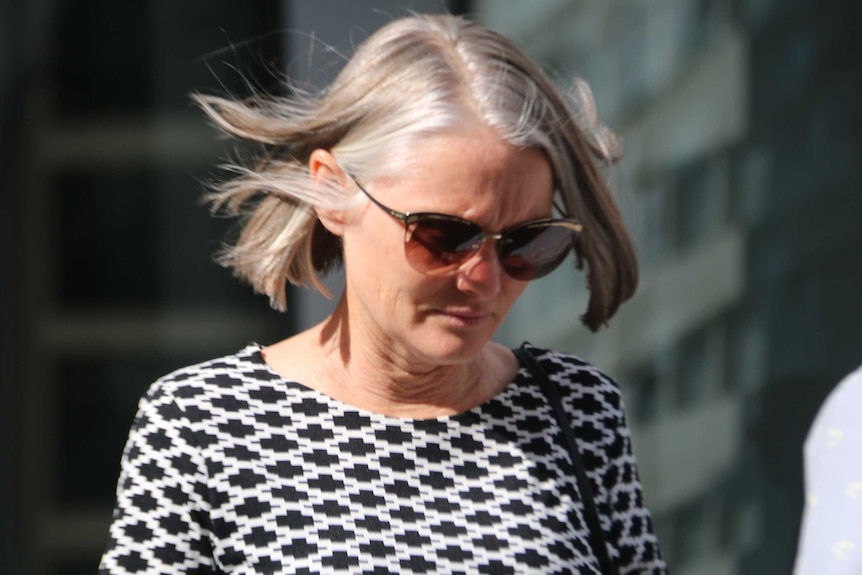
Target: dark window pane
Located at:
point(218, 47)
point(103, 56)
point(97, 402)
point(141, 239)
point(136, 57)
point(77, 566)
point(105, 244)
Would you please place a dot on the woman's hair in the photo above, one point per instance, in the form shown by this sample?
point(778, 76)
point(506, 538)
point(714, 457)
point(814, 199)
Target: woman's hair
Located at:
point(416, 76)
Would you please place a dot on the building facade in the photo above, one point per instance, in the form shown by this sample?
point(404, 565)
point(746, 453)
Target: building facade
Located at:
point(741, 184)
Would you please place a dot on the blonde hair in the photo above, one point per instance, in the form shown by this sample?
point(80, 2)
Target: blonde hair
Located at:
point(416, 76)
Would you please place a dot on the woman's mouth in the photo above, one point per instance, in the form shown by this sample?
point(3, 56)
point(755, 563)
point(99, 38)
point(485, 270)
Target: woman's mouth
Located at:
point(466, 318)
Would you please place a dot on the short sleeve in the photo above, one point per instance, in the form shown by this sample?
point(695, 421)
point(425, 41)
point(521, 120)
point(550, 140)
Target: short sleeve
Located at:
point(595, 405)
point(160, 522)
point(830, 541)
point(631, 522)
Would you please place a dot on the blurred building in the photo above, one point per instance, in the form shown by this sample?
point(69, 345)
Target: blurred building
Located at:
point(741, 122)
point(742, 185)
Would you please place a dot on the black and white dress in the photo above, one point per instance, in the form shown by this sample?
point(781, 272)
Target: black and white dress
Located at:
point(229, 468)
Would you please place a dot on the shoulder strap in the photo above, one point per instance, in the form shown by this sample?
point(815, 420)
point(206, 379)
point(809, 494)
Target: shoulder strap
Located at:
point(591, 514)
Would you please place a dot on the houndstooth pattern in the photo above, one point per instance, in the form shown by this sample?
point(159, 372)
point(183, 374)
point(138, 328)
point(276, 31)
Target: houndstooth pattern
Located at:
point(231, 469)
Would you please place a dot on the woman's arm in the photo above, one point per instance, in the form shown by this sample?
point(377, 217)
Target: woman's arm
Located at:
point(160, 523)
point(596, 408)
point(631, 522)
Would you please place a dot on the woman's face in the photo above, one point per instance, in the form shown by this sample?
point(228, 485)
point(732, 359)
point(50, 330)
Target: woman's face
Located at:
point(427, 320)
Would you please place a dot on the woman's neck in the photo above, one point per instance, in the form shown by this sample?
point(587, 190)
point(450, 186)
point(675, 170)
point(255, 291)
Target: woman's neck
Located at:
point(367, 373)
point(376, 374)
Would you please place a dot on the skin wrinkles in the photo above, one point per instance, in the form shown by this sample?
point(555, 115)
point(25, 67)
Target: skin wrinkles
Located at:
point(403, 343)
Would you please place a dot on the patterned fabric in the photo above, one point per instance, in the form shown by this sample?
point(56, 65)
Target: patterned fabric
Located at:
point(231, 469)
point(830, 541)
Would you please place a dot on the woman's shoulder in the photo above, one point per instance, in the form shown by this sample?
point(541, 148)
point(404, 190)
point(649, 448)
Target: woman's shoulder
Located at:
point(215, 379)
point(561, 365)
point(574, 375)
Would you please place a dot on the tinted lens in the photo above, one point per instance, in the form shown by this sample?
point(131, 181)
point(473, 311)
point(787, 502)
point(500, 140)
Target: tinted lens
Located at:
point(535, 250)
point(437, 244)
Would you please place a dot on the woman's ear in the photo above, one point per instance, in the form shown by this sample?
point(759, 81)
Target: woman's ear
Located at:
point(325, 172)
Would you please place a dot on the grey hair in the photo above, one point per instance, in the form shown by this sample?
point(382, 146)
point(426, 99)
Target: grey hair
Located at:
point(414, 77)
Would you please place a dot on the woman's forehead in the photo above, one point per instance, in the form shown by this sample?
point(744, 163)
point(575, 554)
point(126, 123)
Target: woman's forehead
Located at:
point(469, 175)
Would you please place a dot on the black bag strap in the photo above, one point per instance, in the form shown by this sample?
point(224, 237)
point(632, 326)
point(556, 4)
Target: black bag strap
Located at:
point(591, 514)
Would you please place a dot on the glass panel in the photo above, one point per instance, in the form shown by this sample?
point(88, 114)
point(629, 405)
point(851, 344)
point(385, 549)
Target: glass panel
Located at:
point(97, 401)
point(140, 238)
point(135, 57)
point(105, 248)
point(103, 57)
point(77, 567)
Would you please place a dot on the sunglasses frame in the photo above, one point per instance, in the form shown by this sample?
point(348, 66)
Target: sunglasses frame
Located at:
point(409, 218)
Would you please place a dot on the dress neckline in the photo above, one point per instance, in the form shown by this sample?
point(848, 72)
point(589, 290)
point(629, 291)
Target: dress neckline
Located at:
point(253, 351)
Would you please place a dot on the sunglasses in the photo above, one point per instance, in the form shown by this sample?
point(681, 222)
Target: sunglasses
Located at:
point(438, 244)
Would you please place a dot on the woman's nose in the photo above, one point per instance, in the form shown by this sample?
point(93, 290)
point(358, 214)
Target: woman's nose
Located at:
point(482, 273)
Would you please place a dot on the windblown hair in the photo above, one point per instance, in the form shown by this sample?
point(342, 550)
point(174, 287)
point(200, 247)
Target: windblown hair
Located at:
point(416, 76)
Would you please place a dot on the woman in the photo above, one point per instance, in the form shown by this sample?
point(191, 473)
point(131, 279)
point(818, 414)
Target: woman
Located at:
point(444, 172)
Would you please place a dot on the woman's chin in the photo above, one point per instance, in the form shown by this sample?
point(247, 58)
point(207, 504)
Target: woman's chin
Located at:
point(451, 348)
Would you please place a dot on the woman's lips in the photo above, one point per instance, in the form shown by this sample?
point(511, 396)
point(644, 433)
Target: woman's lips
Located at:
point(466, 318)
